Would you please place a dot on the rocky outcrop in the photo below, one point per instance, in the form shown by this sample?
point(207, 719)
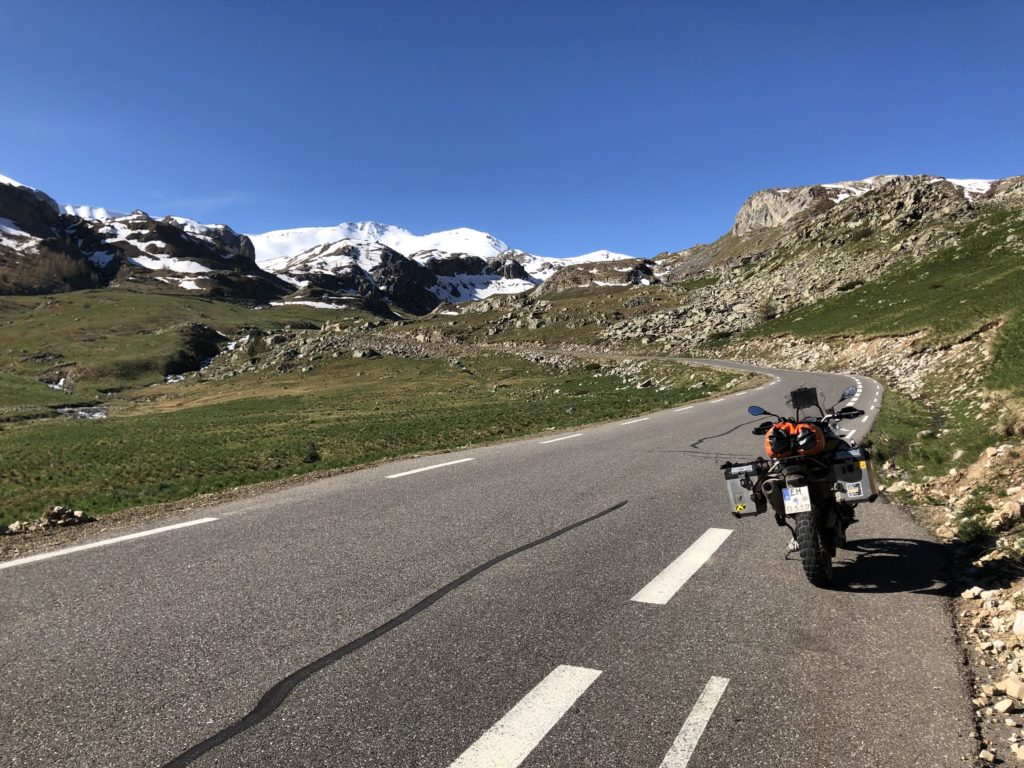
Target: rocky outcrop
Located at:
point(771, 208)
point(406, 283)
point(454, 264)
point(623, 273)
point(508, 268)
point(32, 211)
point(814, 258)
point(1008, 191)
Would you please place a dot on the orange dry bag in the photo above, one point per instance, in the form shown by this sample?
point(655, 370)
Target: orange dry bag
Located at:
point(810, 439)
point(780, 440)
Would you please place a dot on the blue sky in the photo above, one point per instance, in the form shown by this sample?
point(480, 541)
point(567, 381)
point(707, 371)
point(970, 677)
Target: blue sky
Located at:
point(560, 127)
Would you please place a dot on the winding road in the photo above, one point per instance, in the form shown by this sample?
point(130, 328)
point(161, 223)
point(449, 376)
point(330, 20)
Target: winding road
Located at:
point(580, 598)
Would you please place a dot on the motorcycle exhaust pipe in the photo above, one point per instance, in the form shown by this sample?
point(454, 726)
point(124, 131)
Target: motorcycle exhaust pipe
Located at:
point(767, 487)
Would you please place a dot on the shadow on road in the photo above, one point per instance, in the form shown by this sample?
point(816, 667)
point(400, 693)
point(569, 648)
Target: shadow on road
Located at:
point(895, 565)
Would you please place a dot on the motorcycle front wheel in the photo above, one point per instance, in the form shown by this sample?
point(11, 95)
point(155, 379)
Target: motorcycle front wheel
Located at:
point(813, 554)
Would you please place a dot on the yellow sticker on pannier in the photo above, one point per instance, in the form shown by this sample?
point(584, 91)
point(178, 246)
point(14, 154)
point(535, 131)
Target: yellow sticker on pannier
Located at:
point(863, 465)
point(741, 507)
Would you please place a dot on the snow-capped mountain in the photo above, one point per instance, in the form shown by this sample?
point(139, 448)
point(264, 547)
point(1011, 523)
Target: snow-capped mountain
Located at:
point(462, 264)
point(283, 243)
point(382, 264)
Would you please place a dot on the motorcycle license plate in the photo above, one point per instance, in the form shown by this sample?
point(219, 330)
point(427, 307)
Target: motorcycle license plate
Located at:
point(796, 499)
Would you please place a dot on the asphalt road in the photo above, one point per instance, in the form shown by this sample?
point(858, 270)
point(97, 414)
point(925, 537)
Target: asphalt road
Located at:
point(481, 613)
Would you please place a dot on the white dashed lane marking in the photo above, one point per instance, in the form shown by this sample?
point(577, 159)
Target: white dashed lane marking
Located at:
point(686, 742)
point(510, 740)
point(669, 581)
point(104, 543)
point(635, 421)
point(559, 439)
point(425, 469)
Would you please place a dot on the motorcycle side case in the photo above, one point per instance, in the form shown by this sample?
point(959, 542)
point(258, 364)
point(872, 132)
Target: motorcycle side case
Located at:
point(854, 475)
point(740, 483)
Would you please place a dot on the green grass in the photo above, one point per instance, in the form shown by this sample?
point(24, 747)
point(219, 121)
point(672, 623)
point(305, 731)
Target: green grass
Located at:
point(894, 436)
point(115, 338)
point(197, 438)
point(1007, 370)
point(949, 294)
point(19, 391)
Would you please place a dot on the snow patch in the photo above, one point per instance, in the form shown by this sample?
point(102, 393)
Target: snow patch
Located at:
point(315, 304)
point(459, 288)
point(9, 227)
point(12, 236)
point(972, 187)
point(158, 261)
point(187, 284)
point(91, 212)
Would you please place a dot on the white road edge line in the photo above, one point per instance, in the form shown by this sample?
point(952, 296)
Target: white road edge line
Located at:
point(682, 748)
point(716, 401)
point(634, 421)
point(866, 417)
point(104, 543)
point(665, 585)
point(684, 408)
point(424, 469)
point(510, 740)
point(557, 439)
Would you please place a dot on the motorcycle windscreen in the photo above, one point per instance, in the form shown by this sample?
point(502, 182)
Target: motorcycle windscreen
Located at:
point(796, 499)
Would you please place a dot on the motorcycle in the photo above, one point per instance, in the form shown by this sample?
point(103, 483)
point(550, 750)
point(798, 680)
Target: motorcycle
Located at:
point(813, 478)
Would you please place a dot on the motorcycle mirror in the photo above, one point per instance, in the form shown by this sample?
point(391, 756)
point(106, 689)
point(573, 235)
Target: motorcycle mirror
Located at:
point(756, 410)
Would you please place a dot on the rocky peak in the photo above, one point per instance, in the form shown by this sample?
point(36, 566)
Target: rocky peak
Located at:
point(30, 210)
point(774, 207)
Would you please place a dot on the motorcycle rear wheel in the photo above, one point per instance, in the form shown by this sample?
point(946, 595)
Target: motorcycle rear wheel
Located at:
point(813, 554)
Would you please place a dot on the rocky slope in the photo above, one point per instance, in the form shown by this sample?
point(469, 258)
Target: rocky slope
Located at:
point(793, 248)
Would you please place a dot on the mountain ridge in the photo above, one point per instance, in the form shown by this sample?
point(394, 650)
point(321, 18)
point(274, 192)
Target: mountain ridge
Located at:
point(47, 247)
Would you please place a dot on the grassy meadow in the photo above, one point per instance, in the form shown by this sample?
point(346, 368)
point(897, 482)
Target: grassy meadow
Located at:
point(112, 339)
point(172, 441)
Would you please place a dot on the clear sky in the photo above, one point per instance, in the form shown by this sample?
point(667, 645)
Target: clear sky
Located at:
point(560, 127)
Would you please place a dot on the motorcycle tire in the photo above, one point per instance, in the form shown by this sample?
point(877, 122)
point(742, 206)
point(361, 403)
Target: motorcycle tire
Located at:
point(813, 554)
